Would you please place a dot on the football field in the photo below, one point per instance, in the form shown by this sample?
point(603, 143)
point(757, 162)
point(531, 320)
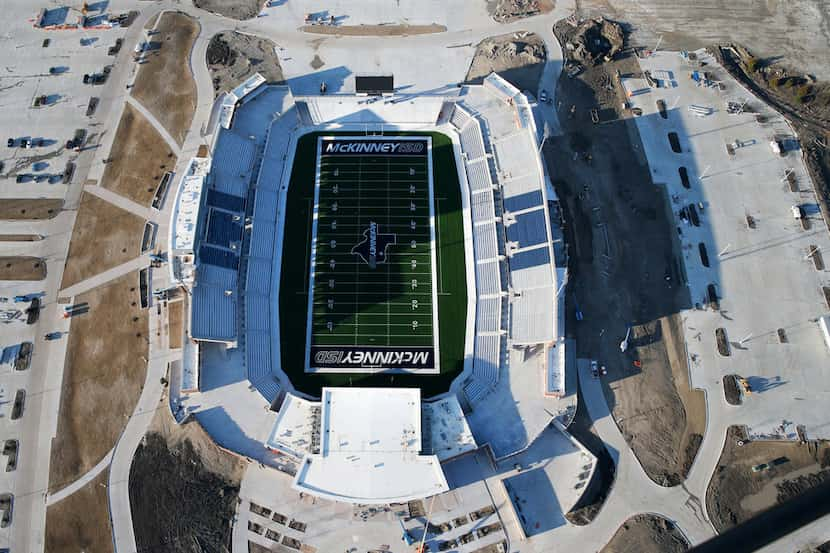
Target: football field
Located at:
point(372, 302)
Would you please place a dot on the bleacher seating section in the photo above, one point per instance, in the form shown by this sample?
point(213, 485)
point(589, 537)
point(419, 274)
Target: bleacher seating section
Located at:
point(481, 204)
point(471, 142)
point(489, 316)
point(478, 175)
point(484, 241)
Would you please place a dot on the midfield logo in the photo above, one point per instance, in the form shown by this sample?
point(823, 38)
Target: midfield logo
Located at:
point(372, 249)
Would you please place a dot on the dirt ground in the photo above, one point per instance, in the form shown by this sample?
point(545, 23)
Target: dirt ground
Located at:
point(626, 270)
point(173, 106)
point(374, 30)
point(795, 31)
point(582, 428)
point(736, 492)
point(644, 534)
point(20, 237)
point(505, 11)
point(520, 61)
point(235, 9)
point(22, 268)
point(138, 159)
point(175, 318)
point(183, 488)
point(233, 57)
point(104, 237)
point(30, 208)
point(254, 547)
point(103, 377)
point(81, 522)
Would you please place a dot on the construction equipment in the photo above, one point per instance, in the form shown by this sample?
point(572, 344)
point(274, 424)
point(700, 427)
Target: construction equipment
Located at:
point(422, 548)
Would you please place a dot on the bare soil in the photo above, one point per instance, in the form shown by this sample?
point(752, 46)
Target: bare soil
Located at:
point(103, 377)
point(627, 269)
point(505, 11)
point(183, 488)
point(254, 547)
point(22, 268)
point(374, 30)
point(168, 63)
point(736, 492)
point(234, 9)
point(233, 57)
point(104, 237)
point(138, 159)
point(646, 533)
point(175, 318)
point(81, 522)
point(20, 237)
point(520, 61)
point(30, 208)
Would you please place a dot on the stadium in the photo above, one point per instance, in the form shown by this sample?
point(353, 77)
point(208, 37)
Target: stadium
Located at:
point(373, 286)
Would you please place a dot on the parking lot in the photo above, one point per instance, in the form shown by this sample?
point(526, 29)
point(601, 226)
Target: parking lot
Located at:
point(763, 264)
point(43, 103)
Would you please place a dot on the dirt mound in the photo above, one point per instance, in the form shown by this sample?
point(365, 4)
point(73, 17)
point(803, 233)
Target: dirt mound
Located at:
point(518, 57)
point(644, 533)
point(219, 52)
point(595, 40)
point(505, 11)
point(233, 57)
point(234, 9)
point(183, 489)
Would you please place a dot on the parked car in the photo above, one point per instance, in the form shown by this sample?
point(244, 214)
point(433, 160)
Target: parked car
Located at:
point(11, 142)
point(77, 141)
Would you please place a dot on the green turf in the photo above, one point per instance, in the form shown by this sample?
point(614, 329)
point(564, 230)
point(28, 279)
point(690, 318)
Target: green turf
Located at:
point(373, 306)
point(452, 283)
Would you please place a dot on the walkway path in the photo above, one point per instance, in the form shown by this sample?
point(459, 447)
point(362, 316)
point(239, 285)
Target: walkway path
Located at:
point(633, 490)
point(160, 356)
point(124, 203)
point(156, 125)
point(106, 276)
point(53, 498)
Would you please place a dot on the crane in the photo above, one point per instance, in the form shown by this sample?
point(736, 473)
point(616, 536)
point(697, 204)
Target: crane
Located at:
point(422, 548)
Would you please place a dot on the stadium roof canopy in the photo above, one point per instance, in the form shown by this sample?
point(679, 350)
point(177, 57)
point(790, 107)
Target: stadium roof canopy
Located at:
point(370, 443)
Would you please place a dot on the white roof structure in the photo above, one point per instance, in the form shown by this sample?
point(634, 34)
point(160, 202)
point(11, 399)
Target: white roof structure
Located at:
point(294, 430)
point(448, 431)
point(370, 444)
point(186, 210)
